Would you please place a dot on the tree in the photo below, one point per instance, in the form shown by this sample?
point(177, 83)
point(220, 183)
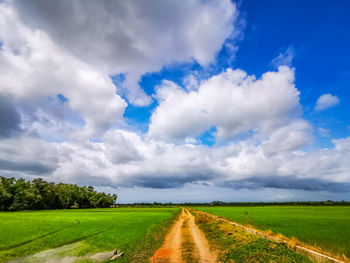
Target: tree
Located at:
point(19, 194)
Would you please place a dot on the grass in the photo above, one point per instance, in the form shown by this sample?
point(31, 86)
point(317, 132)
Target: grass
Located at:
point(326, 227)
point(236, 245)
point(187, 246)
point(136, 231)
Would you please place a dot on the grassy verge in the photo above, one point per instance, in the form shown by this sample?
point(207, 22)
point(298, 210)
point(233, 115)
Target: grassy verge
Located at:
point(236, 245)
point(187, 246)
point(154, 238)
point(324, 227)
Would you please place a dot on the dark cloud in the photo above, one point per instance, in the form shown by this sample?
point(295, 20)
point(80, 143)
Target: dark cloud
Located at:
point(160, 183)
point(289, 182)
point(171, 180)
point(34, 168)
point(27, 155)
point(10, 119)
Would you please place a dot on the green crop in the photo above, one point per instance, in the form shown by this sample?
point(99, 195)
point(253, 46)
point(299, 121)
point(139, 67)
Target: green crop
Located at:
point(326, 227)
point(80, 232)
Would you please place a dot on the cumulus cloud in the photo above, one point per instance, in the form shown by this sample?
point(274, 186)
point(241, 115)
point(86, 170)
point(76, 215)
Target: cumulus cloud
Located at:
point(233, 102)
point(72, 48)
point(133, 37)
point(151, 163)
point(289, 138)
point(191, 82)
point(128, 159)
point(142, 162)
point(326, 101)
point(32, 67)
point(120, 147)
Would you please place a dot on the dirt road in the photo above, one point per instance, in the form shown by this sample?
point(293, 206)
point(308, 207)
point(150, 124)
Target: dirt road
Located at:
point(185, 242)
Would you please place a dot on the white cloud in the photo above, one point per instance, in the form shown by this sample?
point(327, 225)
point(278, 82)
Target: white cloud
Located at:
point(232, 101)
point(289, 138)
point(285, 58)
point(120, 146)
point(32, 68)
point(127, 159)
point(134, 37)
point(151, 163)
point(191, 82)
point(326, 101)
point(72, 48)
point(191, 140)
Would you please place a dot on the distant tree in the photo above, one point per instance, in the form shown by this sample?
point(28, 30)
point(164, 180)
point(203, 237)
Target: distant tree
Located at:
point(19, 194)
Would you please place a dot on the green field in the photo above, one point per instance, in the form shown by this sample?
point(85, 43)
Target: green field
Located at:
point(136, 231)
point(237, 245)
point(326, 227)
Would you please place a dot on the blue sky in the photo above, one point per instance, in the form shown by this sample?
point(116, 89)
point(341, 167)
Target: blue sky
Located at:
point(203, 98)
point(316, 32)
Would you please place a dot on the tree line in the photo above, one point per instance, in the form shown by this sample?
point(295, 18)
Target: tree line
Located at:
point(21, 194)
point(291, 203)
point(221, 203)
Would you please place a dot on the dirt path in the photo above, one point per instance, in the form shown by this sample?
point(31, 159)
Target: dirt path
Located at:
point(185, 242)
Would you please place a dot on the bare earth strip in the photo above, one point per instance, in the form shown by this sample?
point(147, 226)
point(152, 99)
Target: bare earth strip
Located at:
point(183, 233)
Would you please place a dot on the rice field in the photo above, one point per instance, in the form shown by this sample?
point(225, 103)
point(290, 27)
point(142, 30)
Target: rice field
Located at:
point(91, 235)
point(325, 227)
point(138, 232)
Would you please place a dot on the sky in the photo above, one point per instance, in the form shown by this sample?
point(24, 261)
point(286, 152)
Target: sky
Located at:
point(178, 101)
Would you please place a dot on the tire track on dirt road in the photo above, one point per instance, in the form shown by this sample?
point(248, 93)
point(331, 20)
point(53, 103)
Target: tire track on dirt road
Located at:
point(183, 233)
